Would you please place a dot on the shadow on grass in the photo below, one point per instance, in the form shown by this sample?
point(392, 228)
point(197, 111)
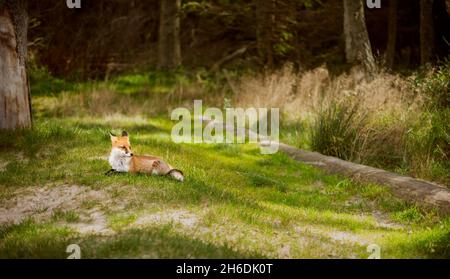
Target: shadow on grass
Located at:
point(30, 240)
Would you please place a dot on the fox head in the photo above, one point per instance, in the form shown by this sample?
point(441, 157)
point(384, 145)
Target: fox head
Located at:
point(121, 145)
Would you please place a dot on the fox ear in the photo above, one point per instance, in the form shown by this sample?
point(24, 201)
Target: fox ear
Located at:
point(112, 136)
point(124, 134)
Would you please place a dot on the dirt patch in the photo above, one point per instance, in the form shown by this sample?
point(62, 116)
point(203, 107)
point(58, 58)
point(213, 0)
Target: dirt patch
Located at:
point(182, 217)
point(384, 222)
point(285, 251)
point(39, 203)
point(96, 223)
point(339, 236)
point(348, 237)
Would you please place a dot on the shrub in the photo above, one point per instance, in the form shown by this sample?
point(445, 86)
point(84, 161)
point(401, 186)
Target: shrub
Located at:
point(336, 131)
point(428, 146)
point(434, 83)
point(428, 139)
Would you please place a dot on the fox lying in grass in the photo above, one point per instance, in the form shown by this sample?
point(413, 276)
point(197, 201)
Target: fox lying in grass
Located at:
point(122, 159)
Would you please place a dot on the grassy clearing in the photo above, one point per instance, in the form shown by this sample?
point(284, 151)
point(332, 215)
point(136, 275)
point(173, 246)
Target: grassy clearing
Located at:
point(234, 203)
point(392, 122)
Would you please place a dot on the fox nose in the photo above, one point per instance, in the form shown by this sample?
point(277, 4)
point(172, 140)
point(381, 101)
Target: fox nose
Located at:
point(131, 154)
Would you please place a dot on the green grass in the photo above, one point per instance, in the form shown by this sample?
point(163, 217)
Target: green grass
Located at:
point(234, 203)
point(67, 216)
point(44, 84)
point(244, 204)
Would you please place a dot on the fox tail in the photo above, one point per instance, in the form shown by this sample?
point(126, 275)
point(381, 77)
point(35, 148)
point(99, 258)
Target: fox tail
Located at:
point(176, 174)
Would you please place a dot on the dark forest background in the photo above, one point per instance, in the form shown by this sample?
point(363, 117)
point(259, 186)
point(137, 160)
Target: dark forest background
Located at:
point(106, 37)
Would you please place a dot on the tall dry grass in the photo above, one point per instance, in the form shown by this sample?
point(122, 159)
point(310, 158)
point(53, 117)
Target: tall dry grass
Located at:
point(302, 94)
point(379, 122)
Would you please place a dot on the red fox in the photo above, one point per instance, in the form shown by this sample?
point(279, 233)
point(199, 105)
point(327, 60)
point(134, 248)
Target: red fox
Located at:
point(122, 159)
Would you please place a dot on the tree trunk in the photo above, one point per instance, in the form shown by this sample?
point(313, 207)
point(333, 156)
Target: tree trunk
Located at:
point(169, 50)
point(265, 20)
point(426, 31)
point(392, 34)
point(15, 109)
point(357, 44)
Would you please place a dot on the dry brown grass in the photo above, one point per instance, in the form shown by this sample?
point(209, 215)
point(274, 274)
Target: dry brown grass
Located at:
point(301, 94)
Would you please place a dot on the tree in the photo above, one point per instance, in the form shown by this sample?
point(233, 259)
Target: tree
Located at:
point(15, 108)
point(357, 44)
point(265, 21)
point(392, 34)
point(169, 50)
point(426, 31)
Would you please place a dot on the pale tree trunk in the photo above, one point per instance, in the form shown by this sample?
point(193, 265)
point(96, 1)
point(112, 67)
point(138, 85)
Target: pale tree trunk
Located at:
point(357, 44)
point(392, 34)
point(169, 50)
point(15, 109)
point(265, 20)
point(426, 31)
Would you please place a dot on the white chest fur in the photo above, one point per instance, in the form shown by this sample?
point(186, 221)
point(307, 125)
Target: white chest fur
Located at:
point(119, 161)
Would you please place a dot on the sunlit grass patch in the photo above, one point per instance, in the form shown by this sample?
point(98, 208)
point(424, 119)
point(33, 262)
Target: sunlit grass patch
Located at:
point(433, 241)
point(119, 221)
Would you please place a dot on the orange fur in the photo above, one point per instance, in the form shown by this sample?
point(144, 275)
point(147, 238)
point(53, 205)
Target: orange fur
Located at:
point(141, 164)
